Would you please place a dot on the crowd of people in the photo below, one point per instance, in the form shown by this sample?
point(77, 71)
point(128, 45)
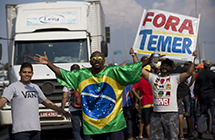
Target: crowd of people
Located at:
point(121, 102)
point(192, 103)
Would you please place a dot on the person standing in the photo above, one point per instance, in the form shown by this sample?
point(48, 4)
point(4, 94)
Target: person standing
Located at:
point(25, 98)
point(205, 90)
point(74, 108)
point(127, 104)
point(147, 102)
point(101, 93)
point(165, 111)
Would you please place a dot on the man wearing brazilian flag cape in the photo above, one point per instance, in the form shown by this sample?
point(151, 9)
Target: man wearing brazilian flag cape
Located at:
point(101, 93)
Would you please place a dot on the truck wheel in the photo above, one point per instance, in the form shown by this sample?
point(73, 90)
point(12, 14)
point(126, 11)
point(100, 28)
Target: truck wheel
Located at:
point(10, 131)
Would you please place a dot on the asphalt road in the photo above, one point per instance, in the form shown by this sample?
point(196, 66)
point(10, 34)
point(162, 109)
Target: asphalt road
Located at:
point(66, 134)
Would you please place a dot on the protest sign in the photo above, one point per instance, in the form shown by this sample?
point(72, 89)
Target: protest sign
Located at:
point(174, 35)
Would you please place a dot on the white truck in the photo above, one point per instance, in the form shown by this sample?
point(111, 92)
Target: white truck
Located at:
point(4, 82)
point(68, 31)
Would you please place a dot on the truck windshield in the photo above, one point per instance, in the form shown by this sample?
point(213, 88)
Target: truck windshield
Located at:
point(67, 51)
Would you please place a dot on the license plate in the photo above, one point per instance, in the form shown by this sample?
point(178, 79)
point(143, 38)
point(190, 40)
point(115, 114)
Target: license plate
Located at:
point(48, 114)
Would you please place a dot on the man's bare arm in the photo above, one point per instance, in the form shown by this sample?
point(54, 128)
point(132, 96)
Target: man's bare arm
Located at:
point(51, 105)
point(2, 101)
point(44, 60)
point(145, 73)
point(136, 94)
point(187, 74)
point(64, 99)
point(192, 79)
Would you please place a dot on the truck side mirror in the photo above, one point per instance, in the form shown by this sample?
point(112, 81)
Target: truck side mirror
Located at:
point(107, 32)
point(104, 48)
point(0, 51)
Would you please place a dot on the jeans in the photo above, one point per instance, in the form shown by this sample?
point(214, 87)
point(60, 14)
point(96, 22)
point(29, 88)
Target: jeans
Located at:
point(27, 135)
point(76, 127)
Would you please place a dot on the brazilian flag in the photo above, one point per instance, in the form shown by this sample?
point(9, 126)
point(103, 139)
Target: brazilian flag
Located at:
point(101, 95)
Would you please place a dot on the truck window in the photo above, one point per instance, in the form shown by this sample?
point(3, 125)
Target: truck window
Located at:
point(66, 51)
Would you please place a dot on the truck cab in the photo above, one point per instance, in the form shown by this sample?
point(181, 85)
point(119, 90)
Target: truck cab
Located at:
point(67, 31)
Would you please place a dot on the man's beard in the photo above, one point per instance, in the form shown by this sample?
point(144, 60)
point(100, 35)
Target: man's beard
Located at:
point(166, 72)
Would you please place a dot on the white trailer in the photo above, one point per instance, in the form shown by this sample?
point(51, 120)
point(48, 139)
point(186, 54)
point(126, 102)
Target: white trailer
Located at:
point(68, 31)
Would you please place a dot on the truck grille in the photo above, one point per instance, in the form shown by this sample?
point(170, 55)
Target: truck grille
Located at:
point(51, 88)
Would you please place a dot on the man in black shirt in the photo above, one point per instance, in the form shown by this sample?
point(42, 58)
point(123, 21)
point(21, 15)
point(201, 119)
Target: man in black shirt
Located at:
point(205, 90)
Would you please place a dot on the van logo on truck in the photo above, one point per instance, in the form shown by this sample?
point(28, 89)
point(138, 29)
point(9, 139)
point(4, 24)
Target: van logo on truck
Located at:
point(51, 18)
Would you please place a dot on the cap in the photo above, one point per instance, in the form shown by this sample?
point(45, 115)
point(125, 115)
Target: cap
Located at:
point(147, 67)
point(168, 62)
point(207, 63)
point(200, 66)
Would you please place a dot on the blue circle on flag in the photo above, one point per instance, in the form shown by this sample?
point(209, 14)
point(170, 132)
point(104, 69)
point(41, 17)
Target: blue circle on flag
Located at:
point(98, 104)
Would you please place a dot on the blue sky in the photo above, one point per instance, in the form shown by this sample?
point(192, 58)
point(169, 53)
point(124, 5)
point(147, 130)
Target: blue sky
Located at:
point(123, 17)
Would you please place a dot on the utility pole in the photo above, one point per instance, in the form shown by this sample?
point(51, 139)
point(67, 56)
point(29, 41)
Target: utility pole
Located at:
point(199, 50)
point(126, 51)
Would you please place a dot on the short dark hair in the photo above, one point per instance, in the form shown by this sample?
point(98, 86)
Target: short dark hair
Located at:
point(74, 67)
point(168, 62)
point(26, 65)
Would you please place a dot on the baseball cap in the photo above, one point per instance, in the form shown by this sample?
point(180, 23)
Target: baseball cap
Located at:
point(168, 62)
point(207, 63)
point(200, 66)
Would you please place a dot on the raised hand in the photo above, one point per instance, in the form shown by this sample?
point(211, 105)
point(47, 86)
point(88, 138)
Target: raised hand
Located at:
point(195, 54)
point(41, 59)
point(131, 52)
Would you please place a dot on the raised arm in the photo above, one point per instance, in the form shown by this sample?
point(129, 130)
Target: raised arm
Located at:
point(187, 74)
point(145, 73)
point(134, 56)
point(192, 79)
point(44, 60)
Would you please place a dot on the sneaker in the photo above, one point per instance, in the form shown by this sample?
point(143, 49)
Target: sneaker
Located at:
point(181, 137)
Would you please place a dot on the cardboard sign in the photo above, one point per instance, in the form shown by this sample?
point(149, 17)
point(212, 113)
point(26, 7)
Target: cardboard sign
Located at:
point(173, 35)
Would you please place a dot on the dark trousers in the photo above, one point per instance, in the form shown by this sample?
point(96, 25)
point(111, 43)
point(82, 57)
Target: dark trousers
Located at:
point(204, 115)
point(109, 136)
point(128, 112)
point(27, 135)
point(76, 128)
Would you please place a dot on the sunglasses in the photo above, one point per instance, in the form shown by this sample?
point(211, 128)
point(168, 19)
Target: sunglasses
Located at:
point(99, 58)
